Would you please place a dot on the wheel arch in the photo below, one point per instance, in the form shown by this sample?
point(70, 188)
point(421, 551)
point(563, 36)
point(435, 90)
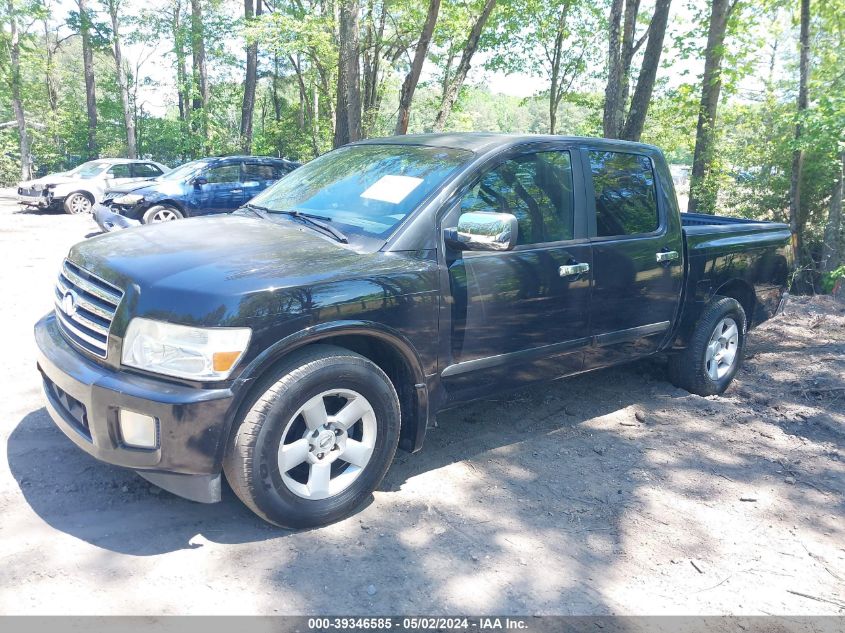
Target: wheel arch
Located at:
point(386, 348)
point(743, 293)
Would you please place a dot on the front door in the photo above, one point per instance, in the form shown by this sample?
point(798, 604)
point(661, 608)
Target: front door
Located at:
point(636, 292)
point(223, 190)
point(520, 315)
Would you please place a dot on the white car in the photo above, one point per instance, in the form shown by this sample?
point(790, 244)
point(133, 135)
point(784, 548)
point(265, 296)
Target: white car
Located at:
point(79, 189)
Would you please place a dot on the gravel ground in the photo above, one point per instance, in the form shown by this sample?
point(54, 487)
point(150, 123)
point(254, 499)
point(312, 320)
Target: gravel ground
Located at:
point(611, 492)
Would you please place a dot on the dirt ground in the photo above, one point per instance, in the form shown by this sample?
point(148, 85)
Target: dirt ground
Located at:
point(612, 492)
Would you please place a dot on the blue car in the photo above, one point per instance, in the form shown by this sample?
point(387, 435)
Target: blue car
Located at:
point(200, 187)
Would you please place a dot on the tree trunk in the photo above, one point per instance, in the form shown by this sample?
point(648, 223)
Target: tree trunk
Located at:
point(454, 87)
point(635, 120)
point(49, 68)
point(703, 193)
point(88, 71)
point(348, 110)
point(200, 83)
point(248, 106)
point(17, 104)
point(406, 96)
point(832, 255)
point(795, 221)
point(183, 85)
point(614, 71)
point(120, 74)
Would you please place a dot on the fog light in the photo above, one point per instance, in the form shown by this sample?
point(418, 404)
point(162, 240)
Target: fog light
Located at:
point(138, 430)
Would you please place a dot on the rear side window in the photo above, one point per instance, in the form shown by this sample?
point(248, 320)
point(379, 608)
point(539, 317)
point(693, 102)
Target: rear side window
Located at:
point(146, 170)
point(259, 172)
point(536, 188)
point(626, 200)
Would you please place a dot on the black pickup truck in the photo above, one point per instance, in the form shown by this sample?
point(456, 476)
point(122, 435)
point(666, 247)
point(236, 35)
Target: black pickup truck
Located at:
point(293, 345)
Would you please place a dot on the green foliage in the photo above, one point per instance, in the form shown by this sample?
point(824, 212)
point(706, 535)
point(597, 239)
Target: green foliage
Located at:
point(830, 280)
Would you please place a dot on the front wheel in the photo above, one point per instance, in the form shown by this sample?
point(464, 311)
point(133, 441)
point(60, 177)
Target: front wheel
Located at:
point(317, 441)
point(162, 213)
point(77, 203)
point(714, 354)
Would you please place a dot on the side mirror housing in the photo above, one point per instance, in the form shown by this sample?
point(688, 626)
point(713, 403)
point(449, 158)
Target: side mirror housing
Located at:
point(199, 181)
point(484, 231)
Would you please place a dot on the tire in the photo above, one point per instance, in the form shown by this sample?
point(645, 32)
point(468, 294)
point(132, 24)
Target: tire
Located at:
point(78, 203)
point(709, 363)
point(317, 486)
point(162, 213)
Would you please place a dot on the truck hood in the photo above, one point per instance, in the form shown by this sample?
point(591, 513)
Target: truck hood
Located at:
point(213, 265)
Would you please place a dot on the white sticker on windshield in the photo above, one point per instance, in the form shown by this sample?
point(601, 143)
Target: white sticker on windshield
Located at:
point(393, 189)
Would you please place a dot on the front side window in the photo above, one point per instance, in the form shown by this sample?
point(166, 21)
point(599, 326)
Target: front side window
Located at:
point(536, 188)
point(366, 189)
point(224, 173)
point(120, 171)
point(626, 199)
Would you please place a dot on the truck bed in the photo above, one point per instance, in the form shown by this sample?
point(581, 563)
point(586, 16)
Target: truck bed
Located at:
point(703, 219)
point(705, 232)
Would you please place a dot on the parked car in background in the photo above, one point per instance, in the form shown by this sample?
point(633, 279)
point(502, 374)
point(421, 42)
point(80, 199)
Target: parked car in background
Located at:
point(201, 187)
point(294, 344)
point(79, 189)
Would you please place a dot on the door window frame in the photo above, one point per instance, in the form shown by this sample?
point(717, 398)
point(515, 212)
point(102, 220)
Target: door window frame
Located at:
point(580, 211)
point(590, 196)
point(239, 164)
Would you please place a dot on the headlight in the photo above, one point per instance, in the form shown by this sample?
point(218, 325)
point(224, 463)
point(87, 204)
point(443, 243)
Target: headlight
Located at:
point(131, 198)
point(183, 351)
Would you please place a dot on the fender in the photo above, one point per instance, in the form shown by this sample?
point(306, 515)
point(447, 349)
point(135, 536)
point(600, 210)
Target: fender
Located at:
point(412, 434)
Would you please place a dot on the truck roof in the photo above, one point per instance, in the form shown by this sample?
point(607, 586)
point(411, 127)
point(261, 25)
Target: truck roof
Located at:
point(482, 142)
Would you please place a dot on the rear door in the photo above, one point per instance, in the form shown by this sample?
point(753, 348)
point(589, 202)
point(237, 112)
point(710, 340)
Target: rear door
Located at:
point(636, 239)
point(257, 176)
point(520, 315)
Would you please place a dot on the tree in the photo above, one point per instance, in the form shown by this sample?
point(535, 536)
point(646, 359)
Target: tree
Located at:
point(409, 85)
point(252, 9)
point(200, 74)
point(453, 87)
point(795, 219)
point(15, 86)
point(85, 28)
point(618, 120)
point(703, 193)
point(348, 112)
point(114, 7)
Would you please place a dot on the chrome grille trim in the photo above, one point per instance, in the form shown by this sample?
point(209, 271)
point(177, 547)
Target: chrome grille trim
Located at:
point(95, 303)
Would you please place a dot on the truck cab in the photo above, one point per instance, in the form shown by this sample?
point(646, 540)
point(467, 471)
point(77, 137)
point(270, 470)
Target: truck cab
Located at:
point(293, 345)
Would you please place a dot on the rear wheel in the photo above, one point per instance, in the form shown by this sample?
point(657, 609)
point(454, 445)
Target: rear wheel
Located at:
point(77, 203)
point(714, 354)
point(162, 213)
point(317, 441)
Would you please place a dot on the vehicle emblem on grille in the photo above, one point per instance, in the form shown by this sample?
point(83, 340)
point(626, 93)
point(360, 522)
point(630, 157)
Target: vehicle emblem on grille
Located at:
point(69, 303)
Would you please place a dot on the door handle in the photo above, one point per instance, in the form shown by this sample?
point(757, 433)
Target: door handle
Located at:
point(666, 256)
point(237, 190)
point(573, 269)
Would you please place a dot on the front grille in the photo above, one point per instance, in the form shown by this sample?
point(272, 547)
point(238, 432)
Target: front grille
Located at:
point(85, 307)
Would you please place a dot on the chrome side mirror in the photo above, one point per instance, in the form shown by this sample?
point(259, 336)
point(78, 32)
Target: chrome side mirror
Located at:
point(484, 231)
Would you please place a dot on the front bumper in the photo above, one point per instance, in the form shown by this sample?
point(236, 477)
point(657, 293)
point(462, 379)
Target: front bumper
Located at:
point(109, 221)
point(41, 201)
point(84, 398)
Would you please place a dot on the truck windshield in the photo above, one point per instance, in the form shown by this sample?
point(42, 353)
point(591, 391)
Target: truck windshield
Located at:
point(364, 189)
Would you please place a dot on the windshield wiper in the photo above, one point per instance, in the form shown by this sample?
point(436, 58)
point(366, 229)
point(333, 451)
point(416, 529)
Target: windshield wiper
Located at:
point(258, 210)
point(318, 221)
